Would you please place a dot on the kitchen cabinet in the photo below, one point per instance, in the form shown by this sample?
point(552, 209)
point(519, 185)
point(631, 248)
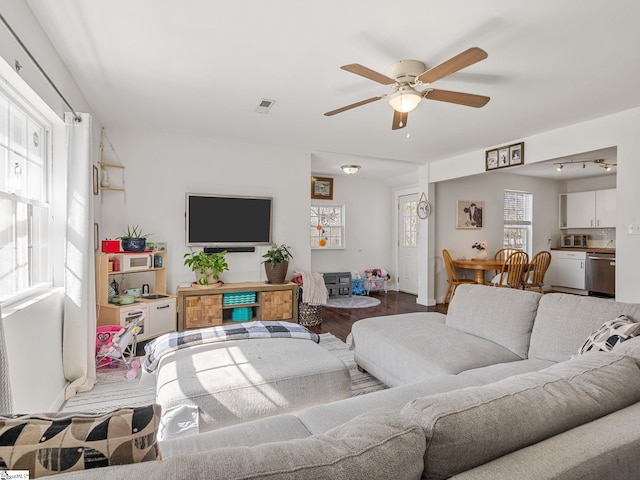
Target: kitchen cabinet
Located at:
point(591, 209)
point(568, 269)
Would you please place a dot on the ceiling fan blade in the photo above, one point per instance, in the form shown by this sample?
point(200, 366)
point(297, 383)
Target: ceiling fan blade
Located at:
point(353, 105)
point(460, 61)
point(468, 99)
point(399, 120)
point(368, 73)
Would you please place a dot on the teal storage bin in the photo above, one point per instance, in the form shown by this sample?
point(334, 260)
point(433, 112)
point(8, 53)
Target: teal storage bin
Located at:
point(241, 314)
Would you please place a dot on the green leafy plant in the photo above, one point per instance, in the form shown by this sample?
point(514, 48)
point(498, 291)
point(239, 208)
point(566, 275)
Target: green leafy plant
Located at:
point(277, 254)
point(208, 265)
point(134, 232)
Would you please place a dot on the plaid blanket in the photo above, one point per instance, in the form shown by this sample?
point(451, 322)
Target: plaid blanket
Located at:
point(170, 342)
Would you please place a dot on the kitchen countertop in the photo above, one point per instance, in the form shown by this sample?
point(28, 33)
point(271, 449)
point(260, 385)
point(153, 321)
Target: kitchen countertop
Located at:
point(586, 249)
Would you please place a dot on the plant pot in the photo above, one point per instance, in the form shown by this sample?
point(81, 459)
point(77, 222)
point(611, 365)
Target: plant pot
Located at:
point(134, 244)
point(276, 274)
point(208, 274)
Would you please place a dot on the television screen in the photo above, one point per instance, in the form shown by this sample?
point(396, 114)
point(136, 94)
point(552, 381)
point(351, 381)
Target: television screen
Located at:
point(224, 221)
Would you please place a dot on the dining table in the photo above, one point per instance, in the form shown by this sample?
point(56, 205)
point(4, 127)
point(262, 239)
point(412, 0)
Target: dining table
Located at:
point(479, 266)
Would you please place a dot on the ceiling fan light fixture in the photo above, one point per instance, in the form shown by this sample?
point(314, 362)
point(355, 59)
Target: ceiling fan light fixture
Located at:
point(405, 99)
point(350, 169)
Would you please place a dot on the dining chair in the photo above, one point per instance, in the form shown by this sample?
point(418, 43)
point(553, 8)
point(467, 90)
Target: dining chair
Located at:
point(452, 277)
point(503, 253)
point(512, 272)
point(538, 266)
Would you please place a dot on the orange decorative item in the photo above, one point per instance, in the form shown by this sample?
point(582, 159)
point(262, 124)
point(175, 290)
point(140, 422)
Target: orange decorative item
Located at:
point(319, 227)
point(322, 242)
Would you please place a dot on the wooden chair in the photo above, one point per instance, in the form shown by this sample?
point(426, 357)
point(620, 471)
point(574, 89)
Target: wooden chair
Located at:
point(452, 277)
point(503, 253)
point(512, 272)
point(535, 273)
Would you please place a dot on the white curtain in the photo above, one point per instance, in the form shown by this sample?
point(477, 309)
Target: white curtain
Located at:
point(79, 326)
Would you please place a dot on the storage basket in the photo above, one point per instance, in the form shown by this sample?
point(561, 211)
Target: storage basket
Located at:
point(241, 314)
point(308, 315)
point(238, 298)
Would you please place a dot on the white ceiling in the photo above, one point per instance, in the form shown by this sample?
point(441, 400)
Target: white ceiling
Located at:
point(201, 67)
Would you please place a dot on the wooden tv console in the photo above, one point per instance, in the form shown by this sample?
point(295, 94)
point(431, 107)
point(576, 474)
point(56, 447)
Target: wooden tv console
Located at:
point(205, 307)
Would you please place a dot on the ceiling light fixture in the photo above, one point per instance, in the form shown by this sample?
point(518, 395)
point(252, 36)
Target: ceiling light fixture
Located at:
point(599, 161)
point(350, 169)
point(404, 99)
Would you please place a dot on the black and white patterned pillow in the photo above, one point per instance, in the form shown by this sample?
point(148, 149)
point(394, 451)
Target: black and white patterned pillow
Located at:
point(610, 334)
point(46, 444)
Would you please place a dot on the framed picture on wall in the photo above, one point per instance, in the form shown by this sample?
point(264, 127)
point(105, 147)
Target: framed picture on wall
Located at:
point(516, 154)
point(491, 159)
point(469, 214)
point(503, 157)
point(322, 188)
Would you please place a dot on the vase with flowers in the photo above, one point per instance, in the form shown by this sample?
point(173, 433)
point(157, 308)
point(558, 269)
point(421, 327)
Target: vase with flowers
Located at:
point(481, 248)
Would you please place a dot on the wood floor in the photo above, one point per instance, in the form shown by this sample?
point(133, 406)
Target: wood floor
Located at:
point(338, 321)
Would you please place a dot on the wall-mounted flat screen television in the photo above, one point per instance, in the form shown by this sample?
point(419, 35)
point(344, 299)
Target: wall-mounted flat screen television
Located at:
point(227, 221)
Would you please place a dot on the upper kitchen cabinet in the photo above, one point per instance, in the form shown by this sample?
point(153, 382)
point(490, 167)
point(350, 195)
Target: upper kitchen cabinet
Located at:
point(592, 209)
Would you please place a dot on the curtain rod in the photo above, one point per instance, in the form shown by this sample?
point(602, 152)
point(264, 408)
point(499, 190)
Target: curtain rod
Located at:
point(17, 39)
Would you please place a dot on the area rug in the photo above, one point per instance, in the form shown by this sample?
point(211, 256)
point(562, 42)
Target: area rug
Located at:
point(352, 302)
point(113, 390)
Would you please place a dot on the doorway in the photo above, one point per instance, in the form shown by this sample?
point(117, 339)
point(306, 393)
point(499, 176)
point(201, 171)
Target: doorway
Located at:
point(408, 243)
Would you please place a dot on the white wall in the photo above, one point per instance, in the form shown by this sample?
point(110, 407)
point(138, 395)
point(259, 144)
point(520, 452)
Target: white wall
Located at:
point(369, 227)
point(161, 168)
point(618, 130)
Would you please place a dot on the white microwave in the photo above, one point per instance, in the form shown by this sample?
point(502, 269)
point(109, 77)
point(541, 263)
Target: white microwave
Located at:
point(136, 261)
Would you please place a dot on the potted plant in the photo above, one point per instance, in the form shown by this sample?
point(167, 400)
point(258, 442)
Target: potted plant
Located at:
point(134, 240)
point(277, 262)
point(207, 266)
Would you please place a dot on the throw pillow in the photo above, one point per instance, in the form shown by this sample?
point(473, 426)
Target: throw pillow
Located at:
point(46, 444)
point(610, 334)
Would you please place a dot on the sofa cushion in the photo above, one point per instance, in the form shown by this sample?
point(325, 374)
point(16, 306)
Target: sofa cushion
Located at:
point(413, 347)
point(376, 445)
point(502, 315)
point(610, 334)
point(46, 444)
point(474, 425)
point(564, 321)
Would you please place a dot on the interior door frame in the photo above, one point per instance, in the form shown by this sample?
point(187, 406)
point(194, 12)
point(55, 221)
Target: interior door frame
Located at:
point(396, 218)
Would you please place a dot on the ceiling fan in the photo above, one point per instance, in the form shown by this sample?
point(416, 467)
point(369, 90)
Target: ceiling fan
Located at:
point(405, 77)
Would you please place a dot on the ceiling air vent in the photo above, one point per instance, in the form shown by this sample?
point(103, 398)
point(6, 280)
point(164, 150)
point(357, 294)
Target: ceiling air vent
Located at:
point(264, 106)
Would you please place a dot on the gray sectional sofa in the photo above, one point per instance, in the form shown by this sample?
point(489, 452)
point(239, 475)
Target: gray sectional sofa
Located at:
point(489, 391)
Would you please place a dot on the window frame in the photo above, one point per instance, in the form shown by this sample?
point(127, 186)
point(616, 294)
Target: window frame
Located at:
point(525, 225)
point(315, 234)
point(42, 241)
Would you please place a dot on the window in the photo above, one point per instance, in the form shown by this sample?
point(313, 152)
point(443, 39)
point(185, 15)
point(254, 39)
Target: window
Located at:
point(24, 199)
point(327, 227)
point(410, 224)
point(518, 216)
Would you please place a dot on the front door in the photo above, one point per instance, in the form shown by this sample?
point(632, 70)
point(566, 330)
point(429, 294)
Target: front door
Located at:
point(408, 224)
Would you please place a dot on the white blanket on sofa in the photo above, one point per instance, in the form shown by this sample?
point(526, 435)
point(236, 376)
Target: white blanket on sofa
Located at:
point(170, 342)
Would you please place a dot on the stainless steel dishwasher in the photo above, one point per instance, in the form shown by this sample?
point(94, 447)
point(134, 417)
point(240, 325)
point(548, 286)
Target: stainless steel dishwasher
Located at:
point(601, 274)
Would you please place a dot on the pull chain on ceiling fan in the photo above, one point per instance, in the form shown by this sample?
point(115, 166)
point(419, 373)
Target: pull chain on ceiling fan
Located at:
point(405, 75)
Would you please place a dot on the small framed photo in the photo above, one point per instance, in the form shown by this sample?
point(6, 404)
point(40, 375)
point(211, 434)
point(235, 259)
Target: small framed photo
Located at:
point(322, 188)
point(491, 159)
point(469, 214)
point(503, 157)
point(516, 154)
point(95, 180)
